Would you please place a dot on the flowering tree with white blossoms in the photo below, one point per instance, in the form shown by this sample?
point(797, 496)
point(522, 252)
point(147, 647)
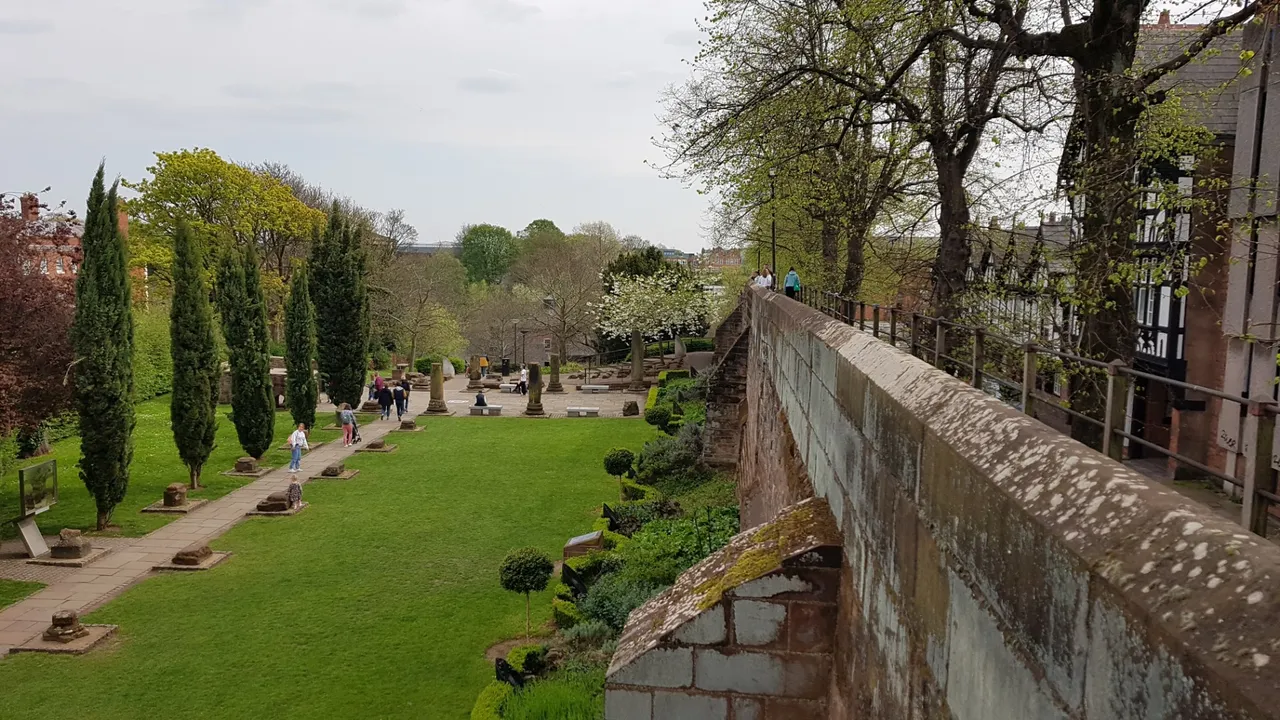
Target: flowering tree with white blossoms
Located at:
point(669, 301)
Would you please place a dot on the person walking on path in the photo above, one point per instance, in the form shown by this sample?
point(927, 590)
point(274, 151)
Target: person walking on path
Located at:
point(298, 443)
point(484, 366)
point(524, 381)
point(348, 425)
point(792, 283)
point(385, 401)
point(405, 384)
point(764, 280)
point(397, 394)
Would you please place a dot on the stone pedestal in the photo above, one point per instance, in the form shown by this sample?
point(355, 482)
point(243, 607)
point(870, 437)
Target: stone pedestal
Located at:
point(409, 425)
point(193, 554)
point(65, 628)
point(275, 502)
point(71, 545)
point(554, 386)
point(399, 372)
point(334, 470)
point(371, 406)
point(246, 465)
point(473, 373)
point(438, 406)
point(535, 391)
point(175, 495)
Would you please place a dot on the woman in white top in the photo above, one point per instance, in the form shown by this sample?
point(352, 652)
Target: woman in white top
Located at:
point(298, 443)
point(524, 380)
point(765, 280)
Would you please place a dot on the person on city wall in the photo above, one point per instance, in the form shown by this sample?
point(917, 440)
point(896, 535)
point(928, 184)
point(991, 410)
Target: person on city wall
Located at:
point(792, 283)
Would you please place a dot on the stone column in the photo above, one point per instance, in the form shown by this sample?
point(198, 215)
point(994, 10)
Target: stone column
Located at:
point(554, 386)
point(535, 391)
point(437, 406)
point(473, 382)
point(637, 361)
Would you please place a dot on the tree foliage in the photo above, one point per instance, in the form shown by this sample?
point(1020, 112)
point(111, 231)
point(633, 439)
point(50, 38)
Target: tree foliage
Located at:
point(301, 392)
point(102, 336)
point(193, 406)
point(618, 462)
point(487, 252)
point(35, 348)
point(526, 570)
point(672, 300)
point(244, 328)
point(564, 275)
point(417, 300)
point(342, 308)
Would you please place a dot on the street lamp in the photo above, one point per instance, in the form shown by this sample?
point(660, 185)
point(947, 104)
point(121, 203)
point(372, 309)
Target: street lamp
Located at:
point(524, 348)
point(773, 227)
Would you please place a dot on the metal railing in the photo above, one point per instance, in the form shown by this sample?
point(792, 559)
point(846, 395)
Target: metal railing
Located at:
point(1017, 373)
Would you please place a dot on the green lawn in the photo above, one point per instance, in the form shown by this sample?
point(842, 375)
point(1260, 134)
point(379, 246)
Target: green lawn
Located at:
point(11, 591)
point(155, 465)
point(378, 601)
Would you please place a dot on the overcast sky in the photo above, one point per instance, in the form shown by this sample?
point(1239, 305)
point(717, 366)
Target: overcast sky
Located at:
point(458, 111)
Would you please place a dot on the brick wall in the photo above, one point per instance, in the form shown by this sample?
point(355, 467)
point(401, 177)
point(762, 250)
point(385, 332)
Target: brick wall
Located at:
point(763, 651)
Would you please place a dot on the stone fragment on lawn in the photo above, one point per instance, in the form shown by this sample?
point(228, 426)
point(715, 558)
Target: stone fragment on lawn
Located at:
point(275, 502)
point(409, 424)
point(175, 495)
point(376, 445)
point(66, 627)
point(334, 470)
point(246, 465)
point(630, 408)
point(71, 545)
point(193, 554)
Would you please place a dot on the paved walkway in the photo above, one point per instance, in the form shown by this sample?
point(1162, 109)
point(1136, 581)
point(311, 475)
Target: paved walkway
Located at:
point(553, 404)
point(131, 560)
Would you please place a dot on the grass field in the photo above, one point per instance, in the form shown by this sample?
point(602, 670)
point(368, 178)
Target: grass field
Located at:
point(378, 601)
point(155, 465)
point(11, 591)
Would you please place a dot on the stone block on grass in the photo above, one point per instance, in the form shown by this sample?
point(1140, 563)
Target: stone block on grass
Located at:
point(193, 554)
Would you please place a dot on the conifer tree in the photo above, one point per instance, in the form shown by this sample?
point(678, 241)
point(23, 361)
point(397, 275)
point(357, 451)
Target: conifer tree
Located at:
point(103, 339)
point(300, 348)
point(244, 327)
point(193, 407)
point(342, 313)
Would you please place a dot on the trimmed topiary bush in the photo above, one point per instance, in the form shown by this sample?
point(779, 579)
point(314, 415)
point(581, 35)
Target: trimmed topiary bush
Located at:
point(489, 704)
point(659, 417)
point(565, 613)
point(667, 375)
point(633, 491)
point(593, 565)
point(528, 659)
point(652, 399)
point(525, 571)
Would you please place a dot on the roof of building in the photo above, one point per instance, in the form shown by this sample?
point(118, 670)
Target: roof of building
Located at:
point(1207, 84)
point(748, 556)
point(434, 249)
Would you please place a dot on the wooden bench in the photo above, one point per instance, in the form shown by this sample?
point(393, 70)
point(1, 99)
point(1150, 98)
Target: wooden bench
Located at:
point(584, 412)
point(486, 409)
point(594, 388)
point(507, 387)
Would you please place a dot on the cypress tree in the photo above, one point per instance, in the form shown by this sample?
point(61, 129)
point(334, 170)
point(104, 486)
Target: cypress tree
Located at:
point(193, 407)
point(300, 347)
point(244, 327)
point(103, 339)
point(342, 309)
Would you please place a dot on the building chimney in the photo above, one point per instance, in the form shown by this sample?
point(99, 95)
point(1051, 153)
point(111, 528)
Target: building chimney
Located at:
point(30, 205)
point(122, 222)
point(1164, 18)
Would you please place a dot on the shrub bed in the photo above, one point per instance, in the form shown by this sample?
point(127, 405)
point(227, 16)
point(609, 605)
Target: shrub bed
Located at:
point(489, 705)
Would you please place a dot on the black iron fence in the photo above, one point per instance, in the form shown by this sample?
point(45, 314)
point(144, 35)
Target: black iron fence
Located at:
point(1035, 378)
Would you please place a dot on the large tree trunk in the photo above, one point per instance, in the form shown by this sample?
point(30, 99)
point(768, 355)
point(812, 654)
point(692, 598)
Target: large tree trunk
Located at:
point(637, 361)
point(855, 260)
point(194, 473)
point(952, 261)
point(1104, 262)
point(104, 520)
point(830, 234)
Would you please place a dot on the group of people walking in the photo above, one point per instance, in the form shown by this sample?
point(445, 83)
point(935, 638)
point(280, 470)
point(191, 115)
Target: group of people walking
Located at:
point(390, 395)
point(767, 280)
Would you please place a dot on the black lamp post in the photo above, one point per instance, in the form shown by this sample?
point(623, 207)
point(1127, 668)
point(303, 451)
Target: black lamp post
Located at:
point(524, 347)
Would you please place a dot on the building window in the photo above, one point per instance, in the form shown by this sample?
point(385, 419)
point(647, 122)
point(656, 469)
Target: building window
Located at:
point(546, 344)
point(57, 267)
point(75, 268)
point(26, 267)
point(44, 266)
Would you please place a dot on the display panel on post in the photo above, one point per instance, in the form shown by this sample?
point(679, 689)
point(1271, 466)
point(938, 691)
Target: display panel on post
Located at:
point(38, 488)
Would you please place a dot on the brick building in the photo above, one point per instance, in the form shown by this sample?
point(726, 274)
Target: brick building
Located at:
point(53, 241)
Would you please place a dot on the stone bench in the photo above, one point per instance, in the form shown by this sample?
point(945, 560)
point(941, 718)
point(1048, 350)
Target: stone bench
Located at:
point(584, 412)
point(486, 409)
point(507, 387)
point(594, 388)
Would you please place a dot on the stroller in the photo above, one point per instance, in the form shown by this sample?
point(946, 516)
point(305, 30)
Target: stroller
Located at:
point(355, 430)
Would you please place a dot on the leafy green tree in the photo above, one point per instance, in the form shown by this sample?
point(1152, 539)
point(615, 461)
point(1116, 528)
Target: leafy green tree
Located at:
point(102, 336)
point(526, 570)
point(244, 327)
point(301, 392)
point(488, 251)
point(342, 308)
point(540, 227)
point(193, 407)
point(618, 462)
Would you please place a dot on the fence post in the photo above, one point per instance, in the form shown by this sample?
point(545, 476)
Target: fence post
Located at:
point(1028, 378)
point(1113, 416)
point(1258, 474)
point(979, 357)
point(893, 325)
point(862, 306)
point(915, 334)
point(939, 342)
point(875, 321)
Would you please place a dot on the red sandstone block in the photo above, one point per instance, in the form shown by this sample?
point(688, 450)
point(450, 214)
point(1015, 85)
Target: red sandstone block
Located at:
point(812, 626)
point(806, 676)
point(788, 709)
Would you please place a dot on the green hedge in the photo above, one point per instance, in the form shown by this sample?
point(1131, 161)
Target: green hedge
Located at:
point(530, 659)
point(652, 399)
point(423, 364)
point(152, 361)
point(666, 375)
point(632, 490)
point(565, 613)
point(489, 704)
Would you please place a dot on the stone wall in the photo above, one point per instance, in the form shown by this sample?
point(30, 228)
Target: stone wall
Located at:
point(994, 568)
point(727, 383)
